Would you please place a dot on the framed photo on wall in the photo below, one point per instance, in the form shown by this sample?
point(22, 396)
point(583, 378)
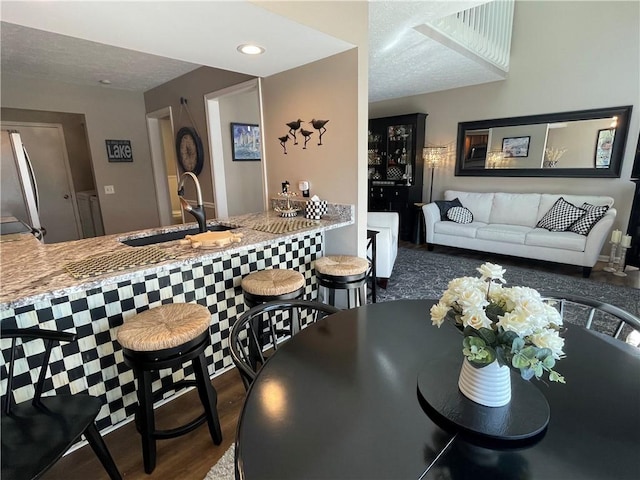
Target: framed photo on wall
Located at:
point(604, 143)
point(245, 138)
point(515, 146)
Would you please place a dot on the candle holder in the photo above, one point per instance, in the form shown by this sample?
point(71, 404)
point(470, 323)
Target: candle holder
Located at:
point(621, 262)
point(612, 258)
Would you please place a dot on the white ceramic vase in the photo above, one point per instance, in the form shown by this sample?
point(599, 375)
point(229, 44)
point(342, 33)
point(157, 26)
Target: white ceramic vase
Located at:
point(489, 386)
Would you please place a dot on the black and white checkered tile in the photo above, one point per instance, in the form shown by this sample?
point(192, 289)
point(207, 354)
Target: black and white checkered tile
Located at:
point(94, 363)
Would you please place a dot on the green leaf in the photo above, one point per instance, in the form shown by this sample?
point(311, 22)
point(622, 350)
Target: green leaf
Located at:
point(517, 344)
point(526, 373)
point(529, 352)
point(507, 337)
point(543, 353)
point(556, 377)
point(520, 361)
point(493, 311)
point(549, 362)
point(487, 335)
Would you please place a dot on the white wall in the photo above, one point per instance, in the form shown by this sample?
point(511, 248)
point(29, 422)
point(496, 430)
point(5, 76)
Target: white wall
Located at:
point(110, 114)
point(564, 56)
point(243, 179)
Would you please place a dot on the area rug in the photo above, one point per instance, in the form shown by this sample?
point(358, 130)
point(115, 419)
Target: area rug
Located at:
point(420, 274)
point(223, 470)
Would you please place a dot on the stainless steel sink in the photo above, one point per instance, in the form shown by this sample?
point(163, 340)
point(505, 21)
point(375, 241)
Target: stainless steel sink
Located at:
point(171, 236)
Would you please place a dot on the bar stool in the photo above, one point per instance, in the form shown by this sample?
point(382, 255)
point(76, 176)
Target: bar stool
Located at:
point(268, 285)
point(166, 337)
point(343, 272)
point(273, 284)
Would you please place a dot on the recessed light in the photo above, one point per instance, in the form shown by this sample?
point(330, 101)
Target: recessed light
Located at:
point(250, 49)
point(105, 82)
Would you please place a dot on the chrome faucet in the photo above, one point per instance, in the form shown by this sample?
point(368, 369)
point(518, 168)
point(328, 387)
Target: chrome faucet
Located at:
point(197, 211)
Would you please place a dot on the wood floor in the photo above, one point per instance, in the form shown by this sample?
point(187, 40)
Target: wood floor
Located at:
point(191, 456)
point(188, 457)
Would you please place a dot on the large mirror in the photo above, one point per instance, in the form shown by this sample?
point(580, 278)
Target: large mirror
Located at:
point(586, 143)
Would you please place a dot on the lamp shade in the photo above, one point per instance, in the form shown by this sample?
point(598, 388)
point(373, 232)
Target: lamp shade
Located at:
point(434, 156)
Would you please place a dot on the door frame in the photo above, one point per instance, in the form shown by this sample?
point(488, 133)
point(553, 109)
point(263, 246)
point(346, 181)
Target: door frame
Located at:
point(67, 168)
point(214, 131)
point(158, 162)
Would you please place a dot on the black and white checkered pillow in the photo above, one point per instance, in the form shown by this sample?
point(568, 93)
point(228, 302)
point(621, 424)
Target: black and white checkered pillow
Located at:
point(584, 224)
point(561, 216)
point(460, 215)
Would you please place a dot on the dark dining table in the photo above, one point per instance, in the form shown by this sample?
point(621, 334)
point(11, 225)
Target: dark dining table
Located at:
point(340, 401)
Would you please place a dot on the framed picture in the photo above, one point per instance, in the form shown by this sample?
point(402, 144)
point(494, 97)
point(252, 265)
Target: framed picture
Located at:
point(604, 143)
point(515, 146)
point(245, 139)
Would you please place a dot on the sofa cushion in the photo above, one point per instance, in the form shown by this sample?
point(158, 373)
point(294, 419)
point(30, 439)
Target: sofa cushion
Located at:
point(458, 229)
point(548, 199)
point(583, 225)
point(515, 209)
point(478, 203)
point(540, 237)
point(561, 216)
point(503, 233)
point(445, 205)
point(460, 215)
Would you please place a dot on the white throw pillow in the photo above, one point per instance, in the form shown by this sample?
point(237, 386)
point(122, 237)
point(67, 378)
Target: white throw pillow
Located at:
point(460, 215)
point(561, 216)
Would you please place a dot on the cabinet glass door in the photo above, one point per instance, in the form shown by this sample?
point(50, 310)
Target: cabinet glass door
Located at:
point(399, 153)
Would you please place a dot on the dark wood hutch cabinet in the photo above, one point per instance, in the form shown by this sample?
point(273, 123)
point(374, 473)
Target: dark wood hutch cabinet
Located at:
point(633, 254)
point(396, 166)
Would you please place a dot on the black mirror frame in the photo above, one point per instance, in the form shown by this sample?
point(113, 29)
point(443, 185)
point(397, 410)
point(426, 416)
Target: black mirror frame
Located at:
point(617, 154)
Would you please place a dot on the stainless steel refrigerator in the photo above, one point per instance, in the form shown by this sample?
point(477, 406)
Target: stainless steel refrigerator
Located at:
point(18, 188)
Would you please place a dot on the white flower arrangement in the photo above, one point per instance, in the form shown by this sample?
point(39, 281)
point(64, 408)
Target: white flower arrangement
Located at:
point(512, 325)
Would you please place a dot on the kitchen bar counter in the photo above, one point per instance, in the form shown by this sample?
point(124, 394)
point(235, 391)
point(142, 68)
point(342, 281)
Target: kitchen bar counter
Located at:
point(36, 290)
point(32, 271)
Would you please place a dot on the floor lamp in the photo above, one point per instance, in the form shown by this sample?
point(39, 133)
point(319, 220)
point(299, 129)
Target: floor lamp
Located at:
point(433, 158)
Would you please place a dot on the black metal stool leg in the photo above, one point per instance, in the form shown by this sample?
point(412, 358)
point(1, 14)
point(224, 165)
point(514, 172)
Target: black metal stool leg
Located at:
point(208, 397)
point(146, 419)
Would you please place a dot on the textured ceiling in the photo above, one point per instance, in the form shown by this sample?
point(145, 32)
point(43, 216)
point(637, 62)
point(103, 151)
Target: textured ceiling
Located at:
point(402, 61)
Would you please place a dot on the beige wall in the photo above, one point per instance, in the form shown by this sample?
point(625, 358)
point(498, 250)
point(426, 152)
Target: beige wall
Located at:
point(243, 179)
point(347, 21)
point(110, 114)
point(327, 90)
point(565, 56)
point(193, 86)
point(75, 139)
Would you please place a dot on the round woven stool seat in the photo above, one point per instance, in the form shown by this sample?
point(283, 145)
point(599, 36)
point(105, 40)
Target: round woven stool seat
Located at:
point(341, 265)
point(273, 282)
point(166, 326)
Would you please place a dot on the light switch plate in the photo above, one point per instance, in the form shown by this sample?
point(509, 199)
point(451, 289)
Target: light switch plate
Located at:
point(109, 190)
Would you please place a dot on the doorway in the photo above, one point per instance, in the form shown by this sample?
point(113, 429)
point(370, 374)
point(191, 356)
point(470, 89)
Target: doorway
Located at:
point(58, 211)
point(165, 166)
point(238, 185)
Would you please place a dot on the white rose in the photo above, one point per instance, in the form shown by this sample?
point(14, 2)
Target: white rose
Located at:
point(553, 315)
point(550, 339)
point(516, 321)
point(492, 272)
point(438, 313)
point(470, 299)
point(476, 318)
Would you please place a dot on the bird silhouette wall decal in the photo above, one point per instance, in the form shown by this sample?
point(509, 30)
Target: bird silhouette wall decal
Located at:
point(283, 142)
point(293, 126)
point(307, 135)
point(320, 126)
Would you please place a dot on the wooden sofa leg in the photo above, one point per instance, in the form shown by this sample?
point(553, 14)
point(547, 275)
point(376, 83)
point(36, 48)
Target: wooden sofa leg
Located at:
point(586, 271)
point(430, 247)
point(383, 282)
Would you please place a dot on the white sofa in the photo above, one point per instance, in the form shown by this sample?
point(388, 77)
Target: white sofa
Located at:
point(386, 224)
point(505, 223)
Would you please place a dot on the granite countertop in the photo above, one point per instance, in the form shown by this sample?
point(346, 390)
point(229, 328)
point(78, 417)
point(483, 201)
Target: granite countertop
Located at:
point(31, 271)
